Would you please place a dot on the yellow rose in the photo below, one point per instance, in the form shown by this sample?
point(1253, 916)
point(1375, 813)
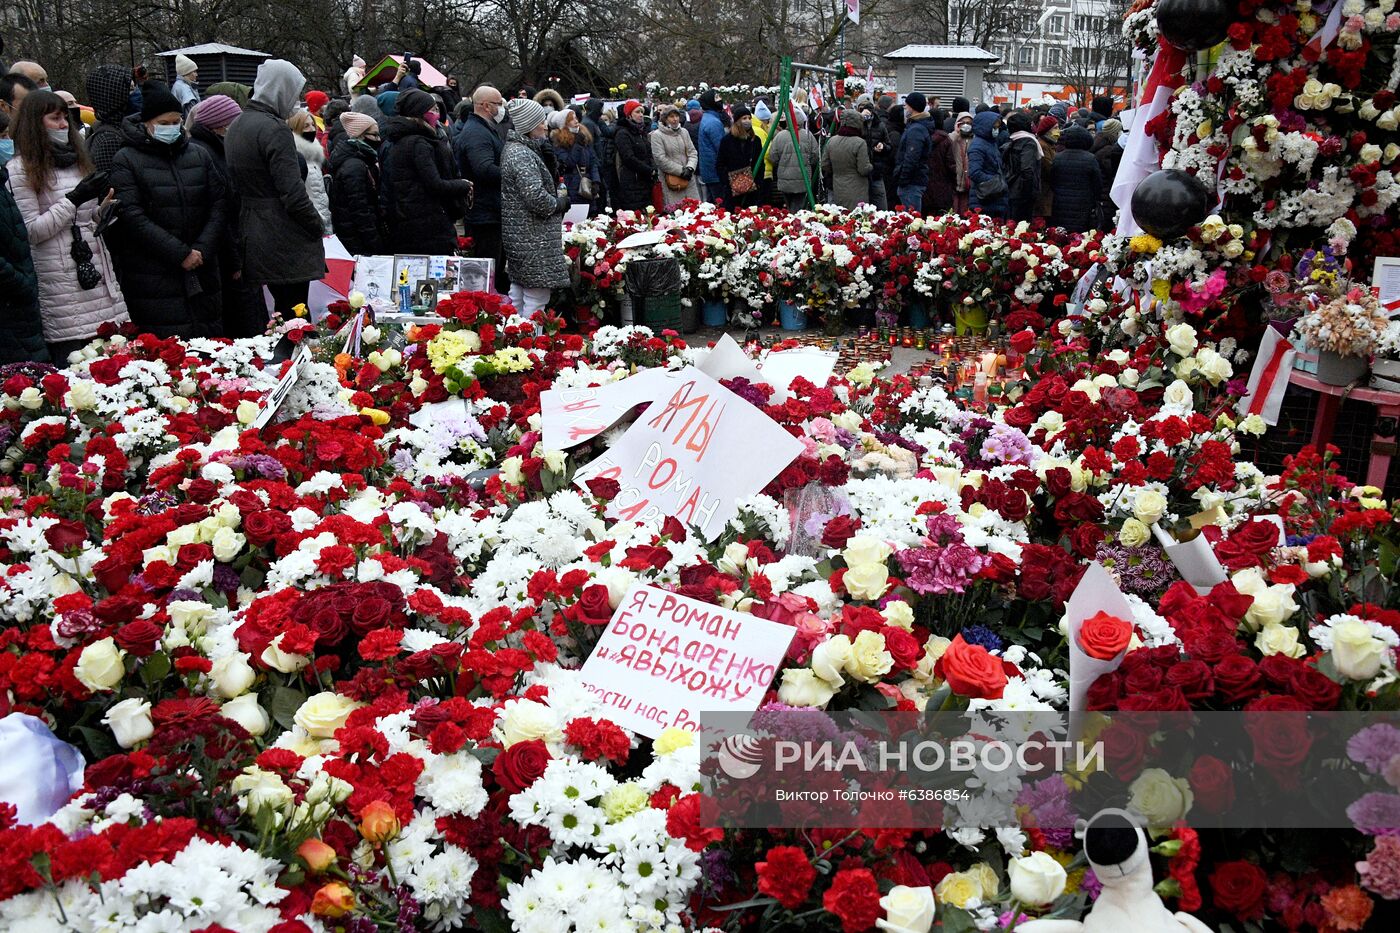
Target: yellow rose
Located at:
point(987, 876)
point(866, 550)
point(959, 889)
point(376, 416)
point(868, 581)
point(899, 614)
point(321, 715)
point(1149, 505)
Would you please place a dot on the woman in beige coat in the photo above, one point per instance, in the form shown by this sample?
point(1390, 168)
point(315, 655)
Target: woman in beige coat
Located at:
point(58, 194)
point(674, 153)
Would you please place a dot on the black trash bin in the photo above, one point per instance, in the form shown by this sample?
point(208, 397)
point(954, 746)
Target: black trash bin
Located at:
point(654, 287)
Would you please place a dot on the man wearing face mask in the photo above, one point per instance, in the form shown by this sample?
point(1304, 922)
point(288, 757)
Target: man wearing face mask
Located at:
point(419, 190)
point(477, 149)
point(171, 206)
point(282, 240)
point(532, 211)
point(636, 171)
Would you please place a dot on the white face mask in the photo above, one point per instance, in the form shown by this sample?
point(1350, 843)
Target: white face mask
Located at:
point(58, 137)
point(500, 114)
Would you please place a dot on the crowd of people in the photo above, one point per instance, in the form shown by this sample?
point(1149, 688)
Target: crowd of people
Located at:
point(182, 209)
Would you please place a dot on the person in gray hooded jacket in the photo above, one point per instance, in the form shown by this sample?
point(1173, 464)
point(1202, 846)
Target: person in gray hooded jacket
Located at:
point(532, 211)
point(282, 233)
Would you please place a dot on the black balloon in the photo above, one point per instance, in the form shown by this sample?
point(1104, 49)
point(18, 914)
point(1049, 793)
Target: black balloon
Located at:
point(1195, 24)
point(1168, 203)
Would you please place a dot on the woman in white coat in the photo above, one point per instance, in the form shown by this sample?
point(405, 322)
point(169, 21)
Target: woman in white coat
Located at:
point(58, 194)
point(304, 134)
point(674, 154)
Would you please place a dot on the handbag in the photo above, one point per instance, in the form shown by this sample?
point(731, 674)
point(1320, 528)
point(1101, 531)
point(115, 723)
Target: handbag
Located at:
point(676, 182)
point(741, 182)
point(585, 188)
point(88, 276)
point(992, 189)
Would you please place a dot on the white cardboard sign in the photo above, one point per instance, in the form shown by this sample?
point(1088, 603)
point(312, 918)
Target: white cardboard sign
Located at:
point(568, 417)
point(694, 452)
point(778, 369)
point(665, 658)
point(284, 386)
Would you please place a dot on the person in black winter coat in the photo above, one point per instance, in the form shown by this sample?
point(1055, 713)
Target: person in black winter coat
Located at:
point(477, 150)
point(1076, 182)
point(738, 151)
point(418, 185)
point(1108, 154)
point(109, 93)
point(21, 328)
point(1021, 166)
point(355, 213)
point(911, 164)
point(602, 152)
point(636, 172)
point(172, 204)
point(894, 135)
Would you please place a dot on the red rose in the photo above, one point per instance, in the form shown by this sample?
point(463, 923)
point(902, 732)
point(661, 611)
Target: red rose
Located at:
point(1193, 678)
point(1278, 727)
point(521, 765)
point(66, 535)
point(1236, 679)
point(201, 490)
point(603, 488)
point(786, 875)
point(646, 557)
point(139, 637)
point(903, 647)
point(1104, 637)
point(1314, 688)
point(839, 530)
point(371, 613)
point(594, 606)
point(1022, 341)
point(1020, 417)
point(262, 526)
point(1213, 784)
point(1248, 545)
point(855, 898)
point(1239, 888)
point(972, 671)
point(1124, 746)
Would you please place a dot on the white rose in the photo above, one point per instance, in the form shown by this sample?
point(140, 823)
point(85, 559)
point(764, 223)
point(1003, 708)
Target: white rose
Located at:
point(511, 472)
point(283, 661)
point(100, 666)
point(1178, 395)
point(555, 459)
point(1279, 639)
point(262, 790)
point(864, 549)
point(801, 687)
point(618, 580)
point(1133, 533)
point(899, 614)
point(1052, 423)
point(31, 398)
point(321, 715)
point(247, 411)
point(247, 713)
point(1149, 505)
point(830, 657)
point(130, 722)
point(1182, 339)
point(1128, 378)
point(869, 660)
point(1233, 249)
point(232, 675)
point(524, 720)
point(190, 614)
point(1037, 879)
point(867, 581)
point(1272, 606)
point(1356, 652)
point(227, 544)
point(907, 910)
point(1161, 798)
point(1214, 367)
point(82, 395)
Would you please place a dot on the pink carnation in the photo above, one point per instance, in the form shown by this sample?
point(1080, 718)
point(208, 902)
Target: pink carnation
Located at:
point(1380, 873)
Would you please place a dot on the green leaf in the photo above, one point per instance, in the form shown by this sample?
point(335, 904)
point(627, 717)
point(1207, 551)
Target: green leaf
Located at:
point(284, 705)
point(484, 755)
point(155, 668)
point(252, 578)
point(491, 921)
point(957, 920)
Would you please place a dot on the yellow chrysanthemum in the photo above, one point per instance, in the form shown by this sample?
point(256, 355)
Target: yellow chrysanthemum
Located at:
point(1145, 243)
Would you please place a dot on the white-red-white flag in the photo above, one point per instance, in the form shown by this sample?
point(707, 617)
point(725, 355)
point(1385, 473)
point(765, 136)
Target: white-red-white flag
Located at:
point(1268, 381)
point(853, 11)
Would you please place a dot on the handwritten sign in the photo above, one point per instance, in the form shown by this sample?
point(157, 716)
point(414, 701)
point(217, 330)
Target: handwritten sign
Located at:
point(694, 452)
point(664, 658)
point(1386, 278)
point(568, 417)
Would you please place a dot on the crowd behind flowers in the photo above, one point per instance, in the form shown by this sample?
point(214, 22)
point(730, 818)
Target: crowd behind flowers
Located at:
point(329, 670)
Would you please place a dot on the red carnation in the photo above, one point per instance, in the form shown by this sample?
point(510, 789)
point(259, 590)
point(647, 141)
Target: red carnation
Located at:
point(855, 898)
point(787, 875)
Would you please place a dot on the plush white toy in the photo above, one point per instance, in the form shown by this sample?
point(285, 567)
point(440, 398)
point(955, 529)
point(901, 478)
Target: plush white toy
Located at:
point(1117, 849)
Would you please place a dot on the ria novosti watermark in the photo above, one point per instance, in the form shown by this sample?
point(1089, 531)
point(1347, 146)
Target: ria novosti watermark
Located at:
point(786, 767)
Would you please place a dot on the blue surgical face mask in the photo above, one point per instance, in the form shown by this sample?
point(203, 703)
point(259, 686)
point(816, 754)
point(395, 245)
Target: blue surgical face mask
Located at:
point(7, 150)
point(166, 133)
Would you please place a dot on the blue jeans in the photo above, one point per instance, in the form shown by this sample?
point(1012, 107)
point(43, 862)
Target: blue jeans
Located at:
point(911, 197)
